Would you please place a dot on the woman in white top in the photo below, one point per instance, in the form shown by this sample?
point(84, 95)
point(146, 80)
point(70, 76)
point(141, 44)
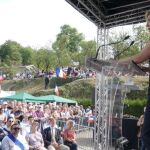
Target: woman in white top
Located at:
point(34, 138)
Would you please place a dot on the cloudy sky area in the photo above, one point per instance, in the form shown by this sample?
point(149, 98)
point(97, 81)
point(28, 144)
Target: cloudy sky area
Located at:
point(37, 22)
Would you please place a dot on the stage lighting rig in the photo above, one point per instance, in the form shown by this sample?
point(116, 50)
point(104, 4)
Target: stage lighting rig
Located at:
point(121, 143)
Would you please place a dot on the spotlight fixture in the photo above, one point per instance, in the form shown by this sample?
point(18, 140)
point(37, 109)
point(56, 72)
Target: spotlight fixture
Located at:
point(120, 143)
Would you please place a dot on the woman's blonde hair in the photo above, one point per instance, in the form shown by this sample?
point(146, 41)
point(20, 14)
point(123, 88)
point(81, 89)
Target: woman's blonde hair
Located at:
point(69, 122)
point(147, 14)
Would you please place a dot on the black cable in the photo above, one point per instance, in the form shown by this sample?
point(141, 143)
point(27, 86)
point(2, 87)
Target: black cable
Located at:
point(127, 37)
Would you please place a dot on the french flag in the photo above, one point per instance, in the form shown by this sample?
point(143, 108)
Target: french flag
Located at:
point(56, 90)
point(60, 73)
point(1, 78)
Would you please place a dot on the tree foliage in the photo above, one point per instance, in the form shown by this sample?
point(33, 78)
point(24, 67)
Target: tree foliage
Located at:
point(69, 46)
point(122, 49)
point(27, 55)
point(68, 39)
point(9, 53)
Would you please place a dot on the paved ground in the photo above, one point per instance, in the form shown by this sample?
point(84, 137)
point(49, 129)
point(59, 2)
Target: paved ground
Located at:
point(79, 148)
point(85, 140)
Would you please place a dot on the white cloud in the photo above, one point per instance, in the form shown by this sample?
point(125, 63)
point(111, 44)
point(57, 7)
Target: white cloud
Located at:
point(37, 22)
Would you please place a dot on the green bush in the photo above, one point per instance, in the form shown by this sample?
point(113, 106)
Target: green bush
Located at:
point(80, 89)
point(134, 107)
point(137, 94)
point(84, 102)
point(60, 81)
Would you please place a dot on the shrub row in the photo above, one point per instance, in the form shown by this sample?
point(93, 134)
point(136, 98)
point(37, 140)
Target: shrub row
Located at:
point(134, 107)
point(137, 94)
point(84, 102)
point(60, 81)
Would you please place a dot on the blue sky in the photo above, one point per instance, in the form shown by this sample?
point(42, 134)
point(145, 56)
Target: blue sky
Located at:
point(37, 22)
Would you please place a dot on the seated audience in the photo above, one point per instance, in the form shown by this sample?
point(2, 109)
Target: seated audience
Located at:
point(27, 126)
point(3, 117)
point(52, 137)
point(8, 125)
point(14, 140)
point(34, 138)
point(70, 136)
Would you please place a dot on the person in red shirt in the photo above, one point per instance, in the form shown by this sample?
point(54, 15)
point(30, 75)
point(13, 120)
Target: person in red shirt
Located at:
point(70, 135)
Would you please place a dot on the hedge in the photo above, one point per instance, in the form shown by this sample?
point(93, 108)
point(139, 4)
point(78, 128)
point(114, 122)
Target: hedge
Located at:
point(134, 107)
point(84, 102)
point(137, 94)
point(61, 81)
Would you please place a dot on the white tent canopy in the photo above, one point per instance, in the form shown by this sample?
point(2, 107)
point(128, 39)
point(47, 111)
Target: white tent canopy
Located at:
point(6, 93)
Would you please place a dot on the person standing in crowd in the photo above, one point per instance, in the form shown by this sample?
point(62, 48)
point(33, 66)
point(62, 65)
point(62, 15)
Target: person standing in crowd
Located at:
point(52, 137)
point(70, 136)
point(139, 58)
point(46, 81)
point(69, 70)
point(14, 140)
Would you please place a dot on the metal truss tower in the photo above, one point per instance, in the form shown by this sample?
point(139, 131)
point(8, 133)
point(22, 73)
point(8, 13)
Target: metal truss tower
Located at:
point(107, 14)
point(101, 94)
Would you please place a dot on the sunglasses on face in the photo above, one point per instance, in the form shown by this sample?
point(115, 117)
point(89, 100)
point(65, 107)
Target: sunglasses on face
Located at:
point(16, 128)
point(11, 121)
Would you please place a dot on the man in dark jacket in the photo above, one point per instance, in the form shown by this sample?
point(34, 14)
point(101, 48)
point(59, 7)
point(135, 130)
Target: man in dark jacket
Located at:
point(52, 137)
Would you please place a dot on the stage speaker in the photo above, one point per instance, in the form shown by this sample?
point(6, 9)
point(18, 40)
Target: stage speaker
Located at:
point(130, 131)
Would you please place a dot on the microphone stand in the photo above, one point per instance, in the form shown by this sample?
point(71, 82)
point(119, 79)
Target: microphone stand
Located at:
point(138, 66)
point(95, 58)
point(118, 54)
point(134, 63)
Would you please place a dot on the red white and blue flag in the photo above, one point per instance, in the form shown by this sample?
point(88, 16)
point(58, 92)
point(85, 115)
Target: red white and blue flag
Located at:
point(1, 78)
point(60, 73)
point(56, 90)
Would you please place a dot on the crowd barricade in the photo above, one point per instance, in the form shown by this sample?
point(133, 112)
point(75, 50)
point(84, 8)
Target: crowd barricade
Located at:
point(85, 138)
point(79, 121)
point(84, 132)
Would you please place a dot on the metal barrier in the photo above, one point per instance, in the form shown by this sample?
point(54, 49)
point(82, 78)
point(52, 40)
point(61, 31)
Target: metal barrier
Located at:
point(85, 137)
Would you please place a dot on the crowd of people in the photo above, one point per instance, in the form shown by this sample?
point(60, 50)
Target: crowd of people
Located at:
point(30, 126)
point(69, 71)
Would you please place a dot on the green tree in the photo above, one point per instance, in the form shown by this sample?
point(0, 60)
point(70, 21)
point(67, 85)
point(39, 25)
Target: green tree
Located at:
point(38, 59)
point(27, 55)
point(68, 39)
point(122, 49)
point(88, 49)
point(141, 35)
point(9, 53)
point(45, 59)
point(67, 43)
